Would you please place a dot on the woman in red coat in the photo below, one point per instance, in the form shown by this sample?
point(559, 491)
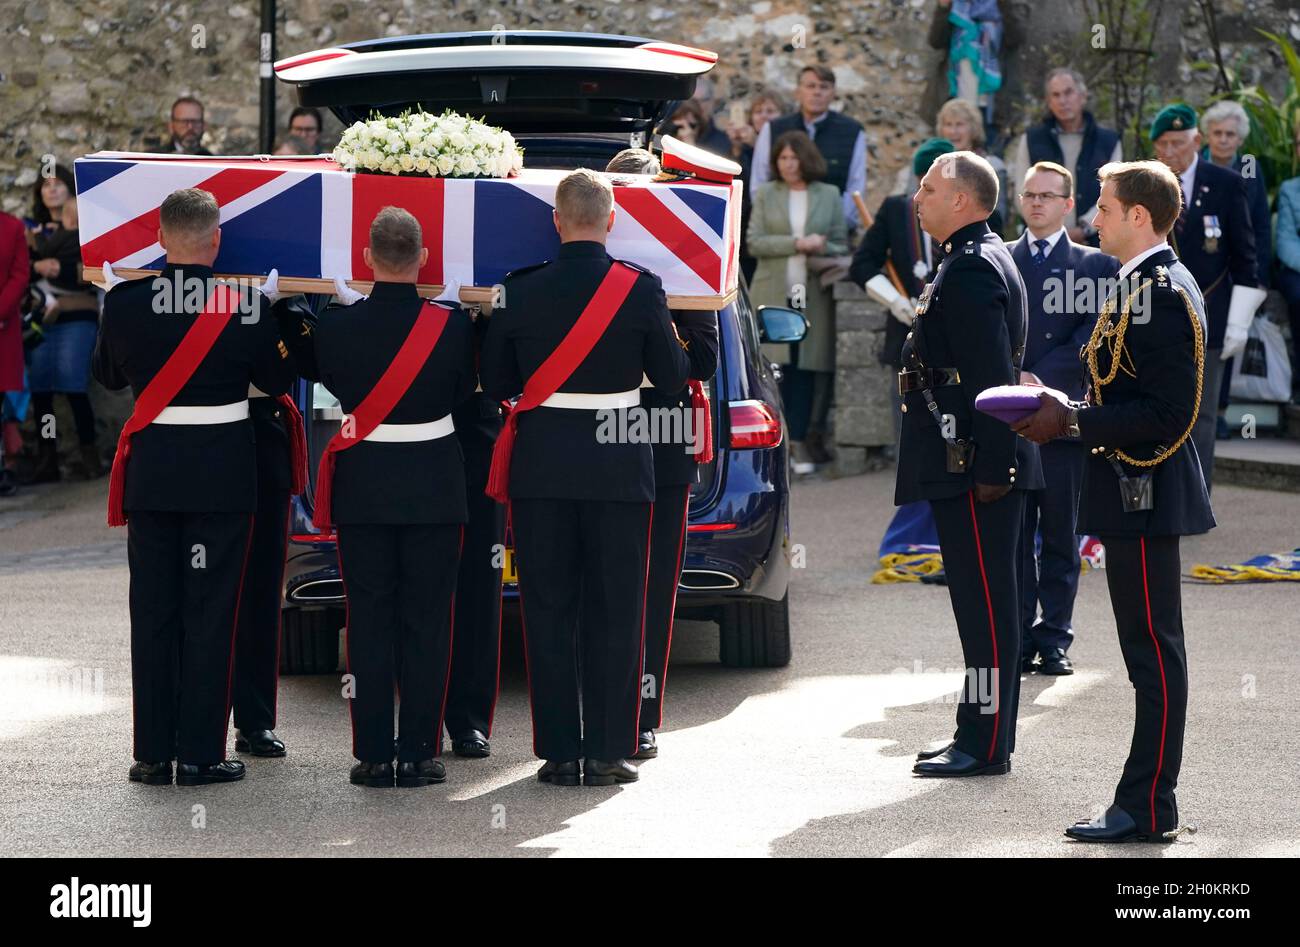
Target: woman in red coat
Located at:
point(13, 285)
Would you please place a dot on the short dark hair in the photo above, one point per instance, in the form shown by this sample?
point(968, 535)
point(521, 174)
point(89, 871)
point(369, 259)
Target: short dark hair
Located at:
point(190, 214)
point(395, 238)
point(812, 166)
point(1054, 168)
point(633, 161)
point(1149, 183)
point(973, 174)
point(41, 213)
point(185, 99)
point(824, 73)
point(309, 111)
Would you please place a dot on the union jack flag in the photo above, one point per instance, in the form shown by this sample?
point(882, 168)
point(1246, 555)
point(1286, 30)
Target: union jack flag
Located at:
point(307, 218)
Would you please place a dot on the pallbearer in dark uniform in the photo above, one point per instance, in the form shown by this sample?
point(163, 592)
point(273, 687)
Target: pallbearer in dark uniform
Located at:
point(1063, 280)
point(281, 473)
point(676, 457)
point(184, 483)
point(1142, 485)
point(969, 335)
point(476, 659)
point(576, 336)
point(393, 480)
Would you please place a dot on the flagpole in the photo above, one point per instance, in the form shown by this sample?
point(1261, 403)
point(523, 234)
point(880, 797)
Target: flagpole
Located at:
point(266, 78)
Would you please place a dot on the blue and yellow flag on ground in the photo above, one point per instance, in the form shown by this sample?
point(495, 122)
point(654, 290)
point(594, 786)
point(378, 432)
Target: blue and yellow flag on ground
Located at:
point(910, 550)
point(1278, 567)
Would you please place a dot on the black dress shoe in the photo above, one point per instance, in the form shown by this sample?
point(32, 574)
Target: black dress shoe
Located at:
point(152, 774)
point(608, 772)
point(646, 748)
point(374, 775)
point(423, 773)
point(258, 743)
point(1115, 825)
point(559, 773)
point(1055, 662)
point(1027, 663)
point(200, 774)
point(472, 744)
point(933, 751)
point(953, 762)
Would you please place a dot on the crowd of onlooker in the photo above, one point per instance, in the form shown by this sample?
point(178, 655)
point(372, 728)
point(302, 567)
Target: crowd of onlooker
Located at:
point(805, 170)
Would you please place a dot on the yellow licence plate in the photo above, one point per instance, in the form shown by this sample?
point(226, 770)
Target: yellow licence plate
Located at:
point(508, 572)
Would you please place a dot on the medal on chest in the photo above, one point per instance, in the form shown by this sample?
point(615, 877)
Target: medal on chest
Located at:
point(1212, 233)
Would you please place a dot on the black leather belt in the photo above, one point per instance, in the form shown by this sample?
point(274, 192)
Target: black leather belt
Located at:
point(919, 379)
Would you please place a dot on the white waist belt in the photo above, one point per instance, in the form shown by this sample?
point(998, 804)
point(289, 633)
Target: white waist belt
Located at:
point(428, 431)
point(203, 413)
point(580, 399)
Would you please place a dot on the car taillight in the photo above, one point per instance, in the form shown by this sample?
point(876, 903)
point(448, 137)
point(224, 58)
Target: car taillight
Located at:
point(753, 424)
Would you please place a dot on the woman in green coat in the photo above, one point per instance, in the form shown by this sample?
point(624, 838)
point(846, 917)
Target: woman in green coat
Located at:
point(796, 216)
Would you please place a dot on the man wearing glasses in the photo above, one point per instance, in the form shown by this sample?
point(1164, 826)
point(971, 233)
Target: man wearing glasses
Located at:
point(1062, 311)
point(186, 129)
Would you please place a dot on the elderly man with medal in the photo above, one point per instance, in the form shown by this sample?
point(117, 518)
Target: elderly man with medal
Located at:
point(1143, 488)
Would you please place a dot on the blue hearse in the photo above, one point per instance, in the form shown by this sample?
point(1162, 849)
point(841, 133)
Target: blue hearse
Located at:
point(574, 100)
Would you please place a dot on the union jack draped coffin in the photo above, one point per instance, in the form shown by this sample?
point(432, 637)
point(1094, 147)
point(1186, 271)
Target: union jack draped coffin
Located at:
point(309, 219)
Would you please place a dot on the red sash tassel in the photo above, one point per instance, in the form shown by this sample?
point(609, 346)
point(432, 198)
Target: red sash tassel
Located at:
point(297, 444)
point(700, 410)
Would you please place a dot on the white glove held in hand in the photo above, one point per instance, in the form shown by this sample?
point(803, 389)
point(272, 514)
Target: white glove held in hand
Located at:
point(111, 279)
point(270, 287)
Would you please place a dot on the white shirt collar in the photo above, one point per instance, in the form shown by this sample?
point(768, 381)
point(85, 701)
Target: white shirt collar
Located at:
point(1132, 264)
point(1188, 179)
point(1052, 240)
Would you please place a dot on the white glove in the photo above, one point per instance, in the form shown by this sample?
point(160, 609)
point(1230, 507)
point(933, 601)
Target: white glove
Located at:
point(450, 293)
point(346, 294)
point(903, 310)
point(1241, 311)
point(271, 286)
point(111, 279)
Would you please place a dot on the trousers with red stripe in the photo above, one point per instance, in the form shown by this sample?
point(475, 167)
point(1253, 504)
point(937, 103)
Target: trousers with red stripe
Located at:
point(186, 574)
point(1144, 576)
point(980, 543)
point(582, 572)
point(667, 546)
point(400, 582)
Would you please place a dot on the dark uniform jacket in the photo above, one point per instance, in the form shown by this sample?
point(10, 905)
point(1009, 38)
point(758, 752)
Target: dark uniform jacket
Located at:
point(189, 468)
point(1071, 284)
point(1228, 261)
point(1143, 413)
point(296, 324)
point(557, 452)
point(975, 323)
point(699, 334)
point(894, 235)
point(381, 482)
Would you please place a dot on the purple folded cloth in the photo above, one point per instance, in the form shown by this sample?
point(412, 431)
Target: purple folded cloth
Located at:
point(1010, 403)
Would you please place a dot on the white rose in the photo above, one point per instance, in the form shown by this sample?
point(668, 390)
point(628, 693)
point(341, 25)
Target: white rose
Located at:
point(437, 140)
point(422, 165)
point(407, 163)
point(458, 141)
point(394, 141)
point(467, 165)
point(389, 166)
point(446, 164)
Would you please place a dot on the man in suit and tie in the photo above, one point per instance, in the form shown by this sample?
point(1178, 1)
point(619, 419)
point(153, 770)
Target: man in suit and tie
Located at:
point(1214, 239)
point(1062, 312)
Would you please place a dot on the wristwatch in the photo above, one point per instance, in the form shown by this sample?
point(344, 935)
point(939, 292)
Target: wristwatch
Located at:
point(1072, 423)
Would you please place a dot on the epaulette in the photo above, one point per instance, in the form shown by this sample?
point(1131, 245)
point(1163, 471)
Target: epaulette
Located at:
point(527, 269)
point(638, 267)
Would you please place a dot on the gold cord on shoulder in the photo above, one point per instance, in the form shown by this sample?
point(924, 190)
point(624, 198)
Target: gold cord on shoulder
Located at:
point(1112, 337)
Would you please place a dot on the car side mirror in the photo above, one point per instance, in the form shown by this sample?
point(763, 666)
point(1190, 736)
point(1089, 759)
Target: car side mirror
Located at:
point(778, 324)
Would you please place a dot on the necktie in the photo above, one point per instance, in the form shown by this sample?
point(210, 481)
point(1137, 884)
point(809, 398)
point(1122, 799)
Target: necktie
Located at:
point(1040, 254)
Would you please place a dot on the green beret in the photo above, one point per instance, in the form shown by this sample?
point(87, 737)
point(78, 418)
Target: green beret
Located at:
point(924, 156)
point(1176, 118)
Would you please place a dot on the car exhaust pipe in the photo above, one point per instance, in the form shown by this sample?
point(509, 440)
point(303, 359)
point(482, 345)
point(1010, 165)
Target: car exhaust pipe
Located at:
point(317, 591)
point(707, 580)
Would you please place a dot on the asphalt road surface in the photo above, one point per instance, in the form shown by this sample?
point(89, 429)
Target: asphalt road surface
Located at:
point(813, 759)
